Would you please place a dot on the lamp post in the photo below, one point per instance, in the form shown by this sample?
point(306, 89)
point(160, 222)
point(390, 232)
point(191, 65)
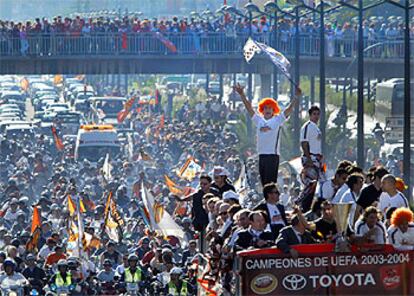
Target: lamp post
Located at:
point(250, 74)
point(272, 7)
point(407, 94)
point(360, 103)
point(320, 9)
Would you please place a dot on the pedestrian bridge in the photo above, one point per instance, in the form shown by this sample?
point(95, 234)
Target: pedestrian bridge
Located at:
point(184, 53)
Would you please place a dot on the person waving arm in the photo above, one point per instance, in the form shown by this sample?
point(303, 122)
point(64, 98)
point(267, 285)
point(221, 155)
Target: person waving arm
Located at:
point(293, 103)
point(240, 90)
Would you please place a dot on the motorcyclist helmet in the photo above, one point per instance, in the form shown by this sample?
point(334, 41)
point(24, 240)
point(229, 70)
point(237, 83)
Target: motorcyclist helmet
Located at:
point(176, 271)
point(9, 262)
point(132, 257)
point(62, 263)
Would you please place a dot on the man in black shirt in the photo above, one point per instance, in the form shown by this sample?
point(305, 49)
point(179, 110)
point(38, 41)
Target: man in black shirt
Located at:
point(199, 214)
point(372, 192)
point(324, 228)
point(34, 274)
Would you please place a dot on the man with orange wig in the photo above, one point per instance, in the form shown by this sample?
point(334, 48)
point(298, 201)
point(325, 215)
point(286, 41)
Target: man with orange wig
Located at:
point(268, 121)
point(401, 230)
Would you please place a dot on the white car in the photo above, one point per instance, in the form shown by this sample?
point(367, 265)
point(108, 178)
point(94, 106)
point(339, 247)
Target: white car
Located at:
point(57, 105)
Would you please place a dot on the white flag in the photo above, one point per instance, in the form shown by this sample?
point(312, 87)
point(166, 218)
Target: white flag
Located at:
point(241, 184)
point(276, 57)
point(107, 168)
point(166, 225)
point(250, 49)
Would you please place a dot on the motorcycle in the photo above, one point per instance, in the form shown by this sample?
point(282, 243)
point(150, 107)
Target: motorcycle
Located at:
point(62, 291)
point(108, 288)
point(13, 290)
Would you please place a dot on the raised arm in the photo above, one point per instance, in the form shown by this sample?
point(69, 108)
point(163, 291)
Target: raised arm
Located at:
point(239, 89)
point(293, 103)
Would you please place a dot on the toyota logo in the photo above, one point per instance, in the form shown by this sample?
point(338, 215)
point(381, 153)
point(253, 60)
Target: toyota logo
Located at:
point(294, 282)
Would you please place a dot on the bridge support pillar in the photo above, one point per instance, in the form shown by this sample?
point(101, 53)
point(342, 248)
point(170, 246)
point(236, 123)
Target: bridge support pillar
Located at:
point(126, 84)
point(221, 87)
point(369, 89)
point(312, 90)
point(207, 82)
point(265, 85)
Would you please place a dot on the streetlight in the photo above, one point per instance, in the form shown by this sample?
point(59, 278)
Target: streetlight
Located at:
point(407, 92)
point(360, 106)
point(250, 8)
point(272, 7)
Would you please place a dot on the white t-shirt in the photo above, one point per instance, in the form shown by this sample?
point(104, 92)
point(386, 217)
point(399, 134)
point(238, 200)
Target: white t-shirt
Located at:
point(326, 190)
point(341, 191)
point(397, 201)
point(380, 233)
point(311, 133)
point(402, 241)
point(268, 142)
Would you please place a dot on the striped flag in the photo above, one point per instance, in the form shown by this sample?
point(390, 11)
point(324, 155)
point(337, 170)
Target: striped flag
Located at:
point(73, 208)
point(174, 188)
point(189, 170)
point(159, 220)
point(113, 220)
point(164, 40)
point(82, 244)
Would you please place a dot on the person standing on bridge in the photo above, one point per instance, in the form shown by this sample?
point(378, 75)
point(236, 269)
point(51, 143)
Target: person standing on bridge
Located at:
point(268, 122)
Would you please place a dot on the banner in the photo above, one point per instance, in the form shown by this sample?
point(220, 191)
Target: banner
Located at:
point(164, 40)
point(320, 271)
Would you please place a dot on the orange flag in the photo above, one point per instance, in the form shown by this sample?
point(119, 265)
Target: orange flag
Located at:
point(35, 231)
point(24, 84)
point(58, 140)
point(58, 79)
point(72, 206)
point(174, 189)
point(207, 287)
point(162, 121)
point(127, 108)
point(80, 77)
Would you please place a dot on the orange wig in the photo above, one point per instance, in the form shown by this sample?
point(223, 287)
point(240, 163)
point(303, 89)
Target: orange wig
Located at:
point(271, 103)
point(400, 216)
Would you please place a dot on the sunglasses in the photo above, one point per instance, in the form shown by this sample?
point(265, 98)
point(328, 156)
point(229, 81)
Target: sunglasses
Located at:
point(223, 213)
point(204, 184)
point(275, 192)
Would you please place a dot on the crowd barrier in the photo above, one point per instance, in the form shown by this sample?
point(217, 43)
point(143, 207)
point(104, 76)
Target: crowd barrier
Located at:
point(321, 271)
point(187, 44)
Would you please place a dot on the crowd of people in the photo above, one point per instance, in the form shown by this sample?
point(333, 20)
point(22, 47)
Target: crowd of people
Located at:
point(108, 34)
point(234, 201)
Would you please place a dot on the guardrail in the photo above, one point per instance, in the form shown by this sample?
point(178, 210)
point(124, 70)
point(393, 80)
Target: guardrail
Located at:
point(37, 45)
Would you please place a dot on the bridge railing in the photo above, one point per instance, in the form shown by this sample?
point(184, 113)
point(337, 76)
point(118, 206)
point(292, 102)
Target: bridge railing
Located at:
point(187, 44)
